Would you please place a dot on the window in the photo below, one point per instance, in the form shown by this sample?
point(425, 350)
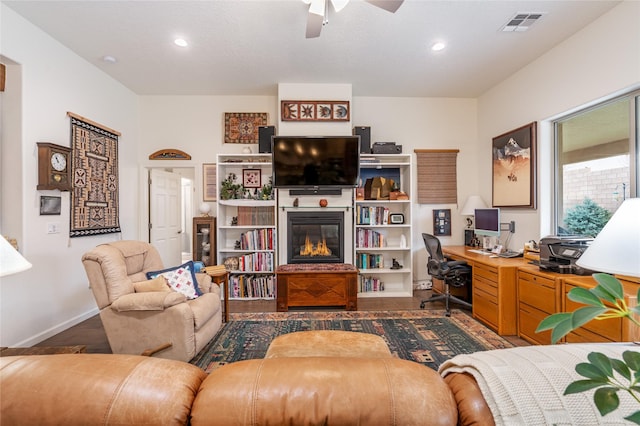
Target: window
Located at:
point(596, 164)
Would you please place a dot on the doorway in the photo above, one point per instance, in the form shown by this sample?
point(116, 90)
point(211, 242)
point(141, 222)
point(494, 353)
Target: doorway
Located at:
point(178, 251)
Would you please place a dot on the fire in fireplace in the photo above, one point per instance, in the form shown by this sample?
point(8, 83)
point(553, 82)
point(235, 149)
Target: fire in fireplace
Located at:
point(315, 237)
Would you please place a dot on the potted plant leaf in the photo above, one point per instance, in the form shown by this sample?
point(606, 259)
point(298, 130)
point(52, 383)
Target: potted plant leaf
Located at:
point(607, 375)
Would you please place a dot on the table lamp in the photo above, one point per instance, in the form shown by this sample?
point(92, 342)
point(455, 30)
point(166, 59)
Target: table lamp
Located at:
point(11, 261)
point(473, 202)
point(616, 249)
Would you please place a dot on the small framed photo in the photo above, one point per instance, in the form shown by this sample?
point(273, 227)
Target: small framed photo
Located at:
point(251, 178)
point(50, 205)
point(442, 222)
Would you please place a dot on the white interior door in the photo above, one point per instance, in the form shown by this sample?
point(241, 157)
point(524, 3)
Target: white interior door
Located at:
point(165, 205)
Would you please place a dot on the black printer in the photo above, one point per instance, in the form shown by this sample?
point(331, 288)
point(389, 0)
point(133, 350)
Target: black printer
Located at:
point(559, 253)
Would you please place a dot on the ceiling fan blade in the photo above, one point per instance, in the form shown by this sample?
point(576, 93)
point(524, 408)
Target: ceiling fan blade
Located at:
point(315, 18)
point(388, 5)
point(314, 25)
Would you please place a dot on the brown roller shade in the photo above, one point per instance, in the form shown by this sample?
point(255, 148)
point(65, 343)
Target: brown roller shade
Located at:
point(437, 179)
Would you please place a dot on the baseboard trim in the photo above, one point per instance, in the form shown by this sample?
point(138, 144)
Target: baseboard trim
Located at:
point(33, 340)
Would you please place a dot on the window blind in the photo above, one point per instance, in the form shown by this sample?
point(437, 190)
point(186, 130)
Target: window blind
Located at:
point(437, 176)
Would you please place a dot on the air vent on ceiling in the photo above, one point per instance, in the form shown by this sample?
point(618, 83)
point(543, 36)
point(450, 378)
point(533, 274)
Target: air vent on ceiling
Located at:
point(521, 22)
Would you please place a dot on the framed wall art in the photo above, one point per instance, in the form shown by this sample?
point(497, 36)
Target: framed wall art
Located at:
point(251, 178)
point(50, 205)
point(242, 127)
point(314, 110)
point(514, 168)
point(209, 183)
point(442, 222)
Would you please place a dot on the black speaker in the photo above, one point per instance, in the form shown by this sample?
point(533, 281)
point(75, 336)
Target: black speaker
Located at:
point(365, 138)
point(264, 138)
point(468, 237)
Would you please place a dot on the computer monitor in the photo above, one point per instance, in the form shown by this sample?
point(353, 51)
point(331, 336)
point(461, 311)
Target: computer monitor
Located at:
point(487, 222)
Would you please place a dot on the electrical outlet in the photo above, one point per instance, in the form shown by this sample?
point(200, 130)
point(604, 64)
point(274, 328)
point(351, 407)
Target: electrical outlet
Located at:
point(53, 228)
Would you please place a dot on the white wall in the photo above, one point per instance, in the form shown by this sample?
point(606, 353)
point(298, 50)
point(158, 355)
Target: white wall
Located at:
point(54, 294)
point(597, 62)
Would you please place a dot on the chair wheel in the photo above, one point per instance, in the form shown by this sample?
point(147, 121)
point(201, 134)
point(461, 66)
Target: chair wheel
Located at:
point(421, 305)
point(447, 314)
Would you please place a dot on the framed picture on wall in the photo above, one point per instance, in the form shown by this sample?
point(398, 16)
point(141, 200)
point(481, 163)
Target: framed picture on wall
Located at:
point(514, 168)
point(209, 183)
point(50, 205)
point(251, 178)
point(442, 222)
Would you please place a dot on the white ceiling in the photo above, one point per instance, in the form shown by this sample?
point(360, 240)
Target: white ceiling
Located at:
point(247, 47)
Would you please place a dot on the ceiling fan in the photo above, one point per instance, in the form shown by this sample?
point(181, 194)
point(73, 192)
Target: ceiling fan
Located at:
point(319, 12)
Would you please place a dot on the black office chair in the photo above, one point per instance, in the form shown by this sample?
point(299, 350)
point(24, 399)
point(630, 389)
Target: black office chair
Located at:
point(453, 273)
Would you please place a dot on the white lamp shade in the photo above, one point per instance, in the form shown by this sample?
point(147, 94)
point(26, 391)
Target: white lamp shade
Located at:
point(205, 209)
point(473, 202)
point(616, 249)
point(11, 262)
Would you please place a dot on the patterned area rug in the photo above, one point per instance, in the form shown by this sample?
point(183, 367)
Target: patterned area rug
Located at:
point(424, 336)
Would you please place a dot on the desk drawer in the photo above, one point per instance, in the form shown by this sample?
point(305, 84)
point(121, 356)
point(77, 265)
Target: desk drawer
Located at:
point(486, 287)
point(609, 329)
point(487, 272)
point(485, 310)
point(542, 281)
point(585, 336)
point(528, 320)
point(536, 292)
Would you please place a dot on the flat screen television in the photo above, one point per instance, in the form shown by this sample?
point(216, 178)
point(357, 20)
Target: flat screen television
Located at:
point(308, 162)
point(487, 222)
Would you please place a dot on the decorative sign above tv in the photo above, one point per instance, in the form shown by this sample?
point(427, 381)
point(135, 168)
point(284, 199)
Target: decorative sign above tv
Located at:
point(314, 110)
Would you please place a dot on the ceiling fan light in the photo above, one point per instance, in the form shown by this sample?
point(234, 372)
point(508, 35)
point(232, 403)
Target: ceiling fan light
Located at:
point(338, 5)
point(317, 7)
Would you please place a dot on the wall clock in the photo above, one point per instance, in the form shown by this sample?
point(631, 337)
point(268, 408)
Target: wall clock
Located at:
point(54, 166)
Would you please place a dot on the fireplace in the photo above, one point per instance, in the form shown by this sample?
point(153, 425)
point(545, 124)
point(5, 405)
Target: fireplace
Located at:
point(315, 237)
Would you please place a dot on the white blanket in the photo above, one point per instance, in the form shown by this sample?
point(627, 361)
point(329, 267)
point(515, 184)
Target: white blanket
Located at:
point(525, 385)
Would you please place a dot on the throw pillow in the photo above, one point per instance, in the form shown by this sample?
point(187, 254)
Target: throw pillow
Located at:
point(158, 283)
point(180, 278)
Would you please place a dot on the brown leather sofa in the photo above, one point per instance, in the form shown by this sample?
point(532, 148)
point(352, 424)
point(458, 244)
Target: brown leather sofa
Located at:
point(92, 389)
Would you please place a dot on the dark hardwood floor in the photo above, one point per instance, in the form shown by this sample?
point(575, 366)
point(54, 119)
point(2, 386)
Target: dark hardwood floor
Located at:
point(91, 332)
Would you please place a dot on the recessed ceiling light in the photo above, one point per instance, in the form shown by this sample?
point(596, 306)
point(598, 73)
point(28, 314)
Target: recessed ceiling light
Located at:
point(110, 59)
point(181, 42)
point(438, 46)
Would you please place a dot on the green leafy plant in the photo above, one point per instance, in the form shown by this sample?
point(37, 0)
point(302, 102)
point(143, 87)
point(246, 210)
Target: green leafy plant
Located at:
point(604, 301)
point(229, 189)
point(587, 218)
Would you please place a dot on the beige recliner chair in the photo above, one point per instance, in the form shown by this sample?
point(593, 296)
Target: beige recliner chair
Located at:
point(136, 322)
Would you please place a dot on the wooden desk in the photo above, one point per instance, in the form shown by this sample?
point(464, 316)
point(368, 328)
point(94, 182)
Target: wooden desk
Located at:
point(608, 330)
point(493, 288)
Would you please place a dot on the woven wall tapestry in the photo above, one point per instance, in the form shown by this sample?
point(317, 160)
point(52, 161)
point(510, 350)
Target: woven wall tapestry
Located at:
point(242, 127)
point(94, 196)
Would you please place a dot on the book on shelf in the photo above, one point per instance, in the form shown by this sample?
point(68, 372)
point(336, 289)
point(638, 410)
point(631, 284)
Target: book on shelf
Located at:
point(257, 239)
point(372, 215)
point(369, 284)
point(252, 286)
point(256, 262)
point(249, 216)
point(370, 261)
point(368, 238)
